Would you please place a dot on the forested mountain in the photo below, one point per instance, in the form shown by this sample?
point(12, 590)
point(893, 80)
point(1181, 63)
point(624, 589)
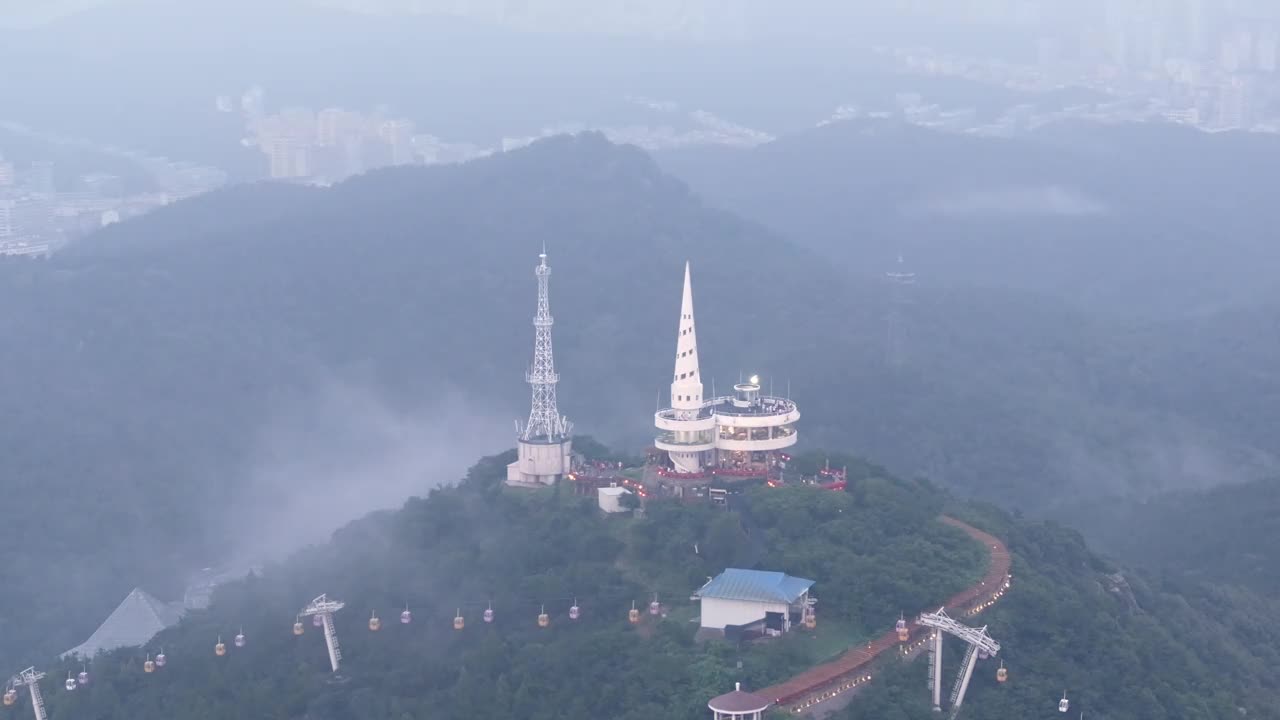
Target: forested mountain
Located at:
point(247, 369)
point(1225, 536)
point(878, 547)
point(1124, 220)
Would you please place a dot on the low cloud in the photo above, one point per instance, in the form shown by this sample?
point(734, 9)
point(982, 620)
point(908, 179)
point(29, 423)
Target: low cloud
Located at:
point(1048, 200)
point(346, 452)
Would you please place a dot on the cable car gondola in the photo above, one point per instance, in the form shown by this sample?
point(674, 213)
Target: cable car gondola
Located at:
point(10, 696)
point(70, 684)
point(1001, 674)
point(83, 677)
point(488, 613)
point(161, 660)
point(298, 627)
point(654, 607)
point(149, 666)
point(634, 615)
point(544, 620)
point(239, 639)
point(374, 623)
point(220, 649)
point(406, 617)
point(574, 611)
point(1064, 704)
point(903, 633)
point(458, 621)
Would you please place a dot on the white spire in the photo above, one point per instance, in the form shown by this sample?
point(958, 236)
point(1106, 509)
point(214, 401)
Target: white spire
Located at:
point(686, 381)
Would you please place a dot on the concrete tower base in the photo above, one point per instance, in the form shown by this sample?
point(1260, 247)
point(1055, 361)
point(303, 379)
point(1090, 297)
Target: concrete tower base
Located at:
point(539, 464)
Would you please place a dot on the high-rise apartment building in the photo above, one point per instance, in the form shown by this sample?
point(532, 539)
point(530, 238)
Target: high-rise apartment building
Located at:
point(398, 135)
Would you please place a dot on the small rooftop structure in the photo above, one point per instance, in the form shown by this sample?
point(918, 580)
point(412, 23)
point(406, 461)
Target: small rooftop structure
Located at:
point(137, 619)
point(738, 705)
point(753, 600)
point(610, 498)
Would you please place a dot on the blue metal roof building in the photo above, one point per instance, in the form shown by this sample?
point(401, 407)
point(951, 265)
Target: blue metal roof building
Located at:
point(739, 599)
point(755, 586)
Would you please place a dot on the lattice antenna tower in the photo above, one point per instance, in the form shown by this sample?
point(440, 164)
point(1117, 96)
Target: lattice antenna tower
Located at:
point(545, 421)
point(900, 281)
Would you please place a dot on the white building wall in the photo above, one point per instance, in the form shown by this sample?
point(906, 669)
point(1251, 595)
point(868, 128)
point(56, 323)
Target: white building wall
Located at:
point(610, 499)
point(540, 463)
point(717, 613)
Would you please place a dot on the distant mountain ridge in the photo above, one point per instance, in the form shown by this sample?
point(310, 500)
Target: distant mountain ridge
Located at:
point(194, 365)
point(1145, 220)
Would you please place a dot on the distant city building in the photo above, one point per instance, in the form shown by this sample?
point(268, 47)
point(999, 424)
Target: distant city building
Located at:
point(398, 135)
point(1233, 106)
point(40, 178)
point(7, 230)
point(1268, 50)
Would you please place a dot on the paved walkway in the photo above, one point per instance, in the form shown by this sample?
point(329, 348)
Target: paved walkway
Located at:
point(824, 684)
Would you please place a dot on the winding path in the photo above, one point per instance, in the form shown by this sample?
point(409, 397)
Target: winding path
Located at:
point(853, 669)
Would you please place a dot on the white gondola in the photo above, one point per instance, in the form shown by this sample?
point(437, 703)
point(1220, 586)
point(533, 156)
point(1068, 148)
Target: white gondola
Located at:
point(161, 660)
point(239, 639)
point(83, 677)
point(406, 617)
point(574, 611)
point(488, 613)
point(655, 607)
point(374, 623)
point(70, 684)
point(1064, 704)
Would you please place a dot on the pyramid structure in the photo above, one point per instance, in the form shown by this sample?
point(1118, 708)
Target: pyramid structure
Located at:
point(134, 622)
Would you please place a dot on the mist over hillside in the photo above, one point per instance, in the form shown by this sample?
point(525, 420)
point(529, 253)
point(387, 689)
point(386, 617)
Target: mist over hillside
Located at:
point(270, 357)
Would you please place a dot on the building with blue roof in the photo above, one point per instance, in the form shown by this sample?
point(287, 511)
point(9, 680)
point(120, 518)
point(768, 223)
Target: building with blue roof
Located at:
point(739, 600)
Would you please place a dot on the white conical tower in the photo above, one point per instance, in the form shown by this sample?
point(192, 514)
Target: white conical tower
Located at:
point(686, 381)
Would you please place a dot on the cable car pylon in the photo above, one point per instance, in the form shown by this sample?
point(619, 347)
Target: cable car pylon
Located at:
point(30, 679)
point(980, 645)
point(324, 608)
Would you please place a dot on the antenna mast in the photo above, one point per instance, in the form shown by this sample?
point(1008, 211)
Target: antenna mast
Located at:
point(545, 421)
point(900, 279)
